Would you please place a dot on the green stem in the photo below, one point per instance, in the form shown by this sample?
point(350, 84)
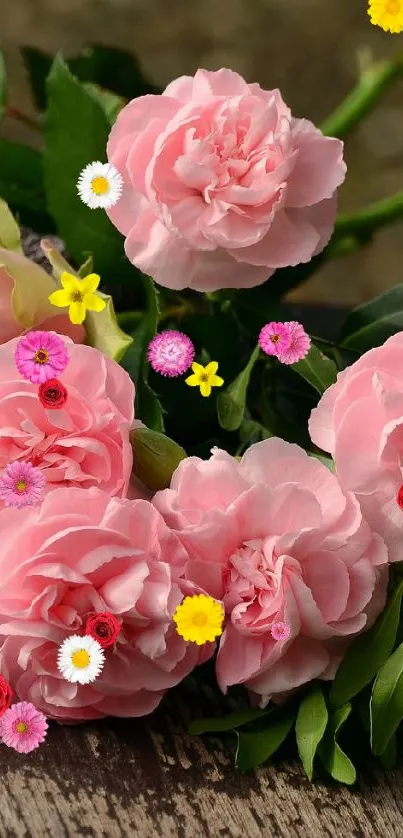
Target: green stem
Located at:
point(363, 97)
point(366, 221)
point(129, 320)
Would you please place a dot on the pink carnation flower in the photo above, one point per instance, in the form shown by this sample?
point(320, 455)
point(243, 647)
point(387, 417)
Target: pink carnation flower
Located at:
point(23, 727)
point(289, 341)
point(21, 484)
point(83, 554)
point(86, 441)
point(359, 421)
point(276, 539)
point(171, 353)
point(40, 356)
point(222, 185)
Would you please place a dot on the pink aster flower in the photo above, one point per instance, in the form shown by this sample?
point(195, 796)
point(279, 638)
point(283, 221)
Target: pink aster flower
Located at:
point(171, 353)
point(23, 727)
point(40, 356)
point(280, 631)
point(21, 484)
point(275, 338)
point(298, 346)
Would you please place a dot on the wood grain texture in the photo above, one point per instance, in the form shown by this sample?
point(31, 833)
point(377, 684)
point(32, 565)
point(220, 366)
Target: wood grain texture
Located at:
point(148, 778)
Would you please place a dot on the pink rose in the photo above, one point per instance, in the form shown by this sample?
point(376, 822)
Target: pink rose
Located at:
point(31, 285)
point(288, 552)
point(84, 443)
point(70, 558)
point(221, 184)
point(359, 420)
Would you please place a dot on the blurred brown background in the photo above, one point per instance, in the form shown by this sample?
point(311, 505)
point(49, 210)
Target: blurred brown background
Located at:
point(306, 47)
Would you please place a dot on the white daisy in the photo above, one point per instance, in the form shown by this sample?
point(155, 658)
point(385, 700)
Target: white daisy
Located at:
point(80, 659)
point(100, 185)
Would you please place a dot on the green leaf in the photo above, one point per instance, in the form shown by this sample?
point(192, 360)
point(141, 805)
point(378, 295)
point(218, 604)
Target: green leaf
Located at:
point(387, 702)
point(389, 756)
point(367, 653)
point(317, 369)
point(231, 402)
point(155, 458)
point(77, 130)
point(108, 67)
point(135, 360)
point(21, 184)
point(310, 727)
point(10, 236)
point(232, 721)
point(336, 762)
point(3, 86)
point(372, 323)
point(255, 747)
point(110, 102)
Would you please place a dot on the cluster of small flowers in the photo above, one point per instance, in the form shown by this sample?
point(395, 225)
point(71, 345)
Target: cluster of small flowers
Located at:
point(40, 357)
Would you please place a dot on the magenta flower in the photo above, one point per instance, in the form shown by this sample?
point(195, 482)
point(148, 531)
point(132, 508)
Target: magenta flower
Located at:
point(280, 631)
point(21, 484)
point(274, 338)
point(171, 353)
point(40, 356)
point(289, 341)
point(23, 727)
point(299, 345)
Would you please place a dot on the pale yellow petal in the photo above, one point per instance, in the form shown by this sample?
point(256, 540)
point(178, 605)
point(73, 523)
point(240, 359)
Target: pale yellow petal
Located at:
point(193, 380)
point(216, 381)
point(77, 312)
point(205, 388)
point(211, 368)
point(89, 283)
point(59, 298)
point(94, 302)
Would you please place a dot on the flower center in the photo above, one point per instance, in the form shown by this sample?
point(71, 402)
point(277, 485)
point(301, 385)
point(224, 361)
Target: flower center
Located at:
point(275, 338)
point(41, 356)
point(102, 629)
point(199, 619)
point(21, 727)
point(204, 377)
point(80, 659)
point(100, 185)
point(393, 7)
point(21, 486)
point(77, 297)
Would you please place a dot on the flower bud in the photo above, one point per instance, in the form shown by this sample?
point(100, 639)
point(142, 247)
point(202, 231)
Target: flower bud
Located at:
point(155, 458)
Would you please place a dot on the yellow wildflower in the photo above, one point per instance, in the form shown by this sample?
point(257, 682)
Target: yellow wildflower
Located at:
point(199, 619)
point(388, 14)
point(205, 377)
point(78, 295)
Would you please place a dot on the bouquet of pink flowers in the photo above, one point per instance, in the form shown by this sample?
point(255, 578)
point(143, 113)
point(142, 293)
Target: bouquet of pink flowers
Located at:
point(186, 474)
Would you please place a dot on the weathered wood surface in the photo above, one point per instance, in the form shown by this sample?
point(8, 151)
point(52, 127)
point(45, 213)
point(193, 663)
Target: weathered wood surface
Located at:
point(148, 778)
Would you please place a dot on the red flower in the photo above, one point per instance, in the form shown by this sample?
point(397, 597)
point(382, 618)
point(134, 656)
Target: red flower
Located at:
point(6, 695)
point(104, 628)
point(52, 394)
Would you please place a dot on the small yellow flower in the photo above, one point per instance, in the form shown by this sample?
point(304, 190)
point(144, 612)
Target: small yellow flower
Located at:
point(388, 14)
point(199, 619)
point(78, 295)
point(205, 377)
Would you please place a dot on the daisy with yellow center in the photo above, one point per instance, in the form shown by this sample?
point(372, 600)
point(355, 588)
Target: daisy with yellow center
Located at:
point(205, 377)
point(100, 185)
point(388, 14)
point(199, 619)
point(80, 659)
point(78, 295)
